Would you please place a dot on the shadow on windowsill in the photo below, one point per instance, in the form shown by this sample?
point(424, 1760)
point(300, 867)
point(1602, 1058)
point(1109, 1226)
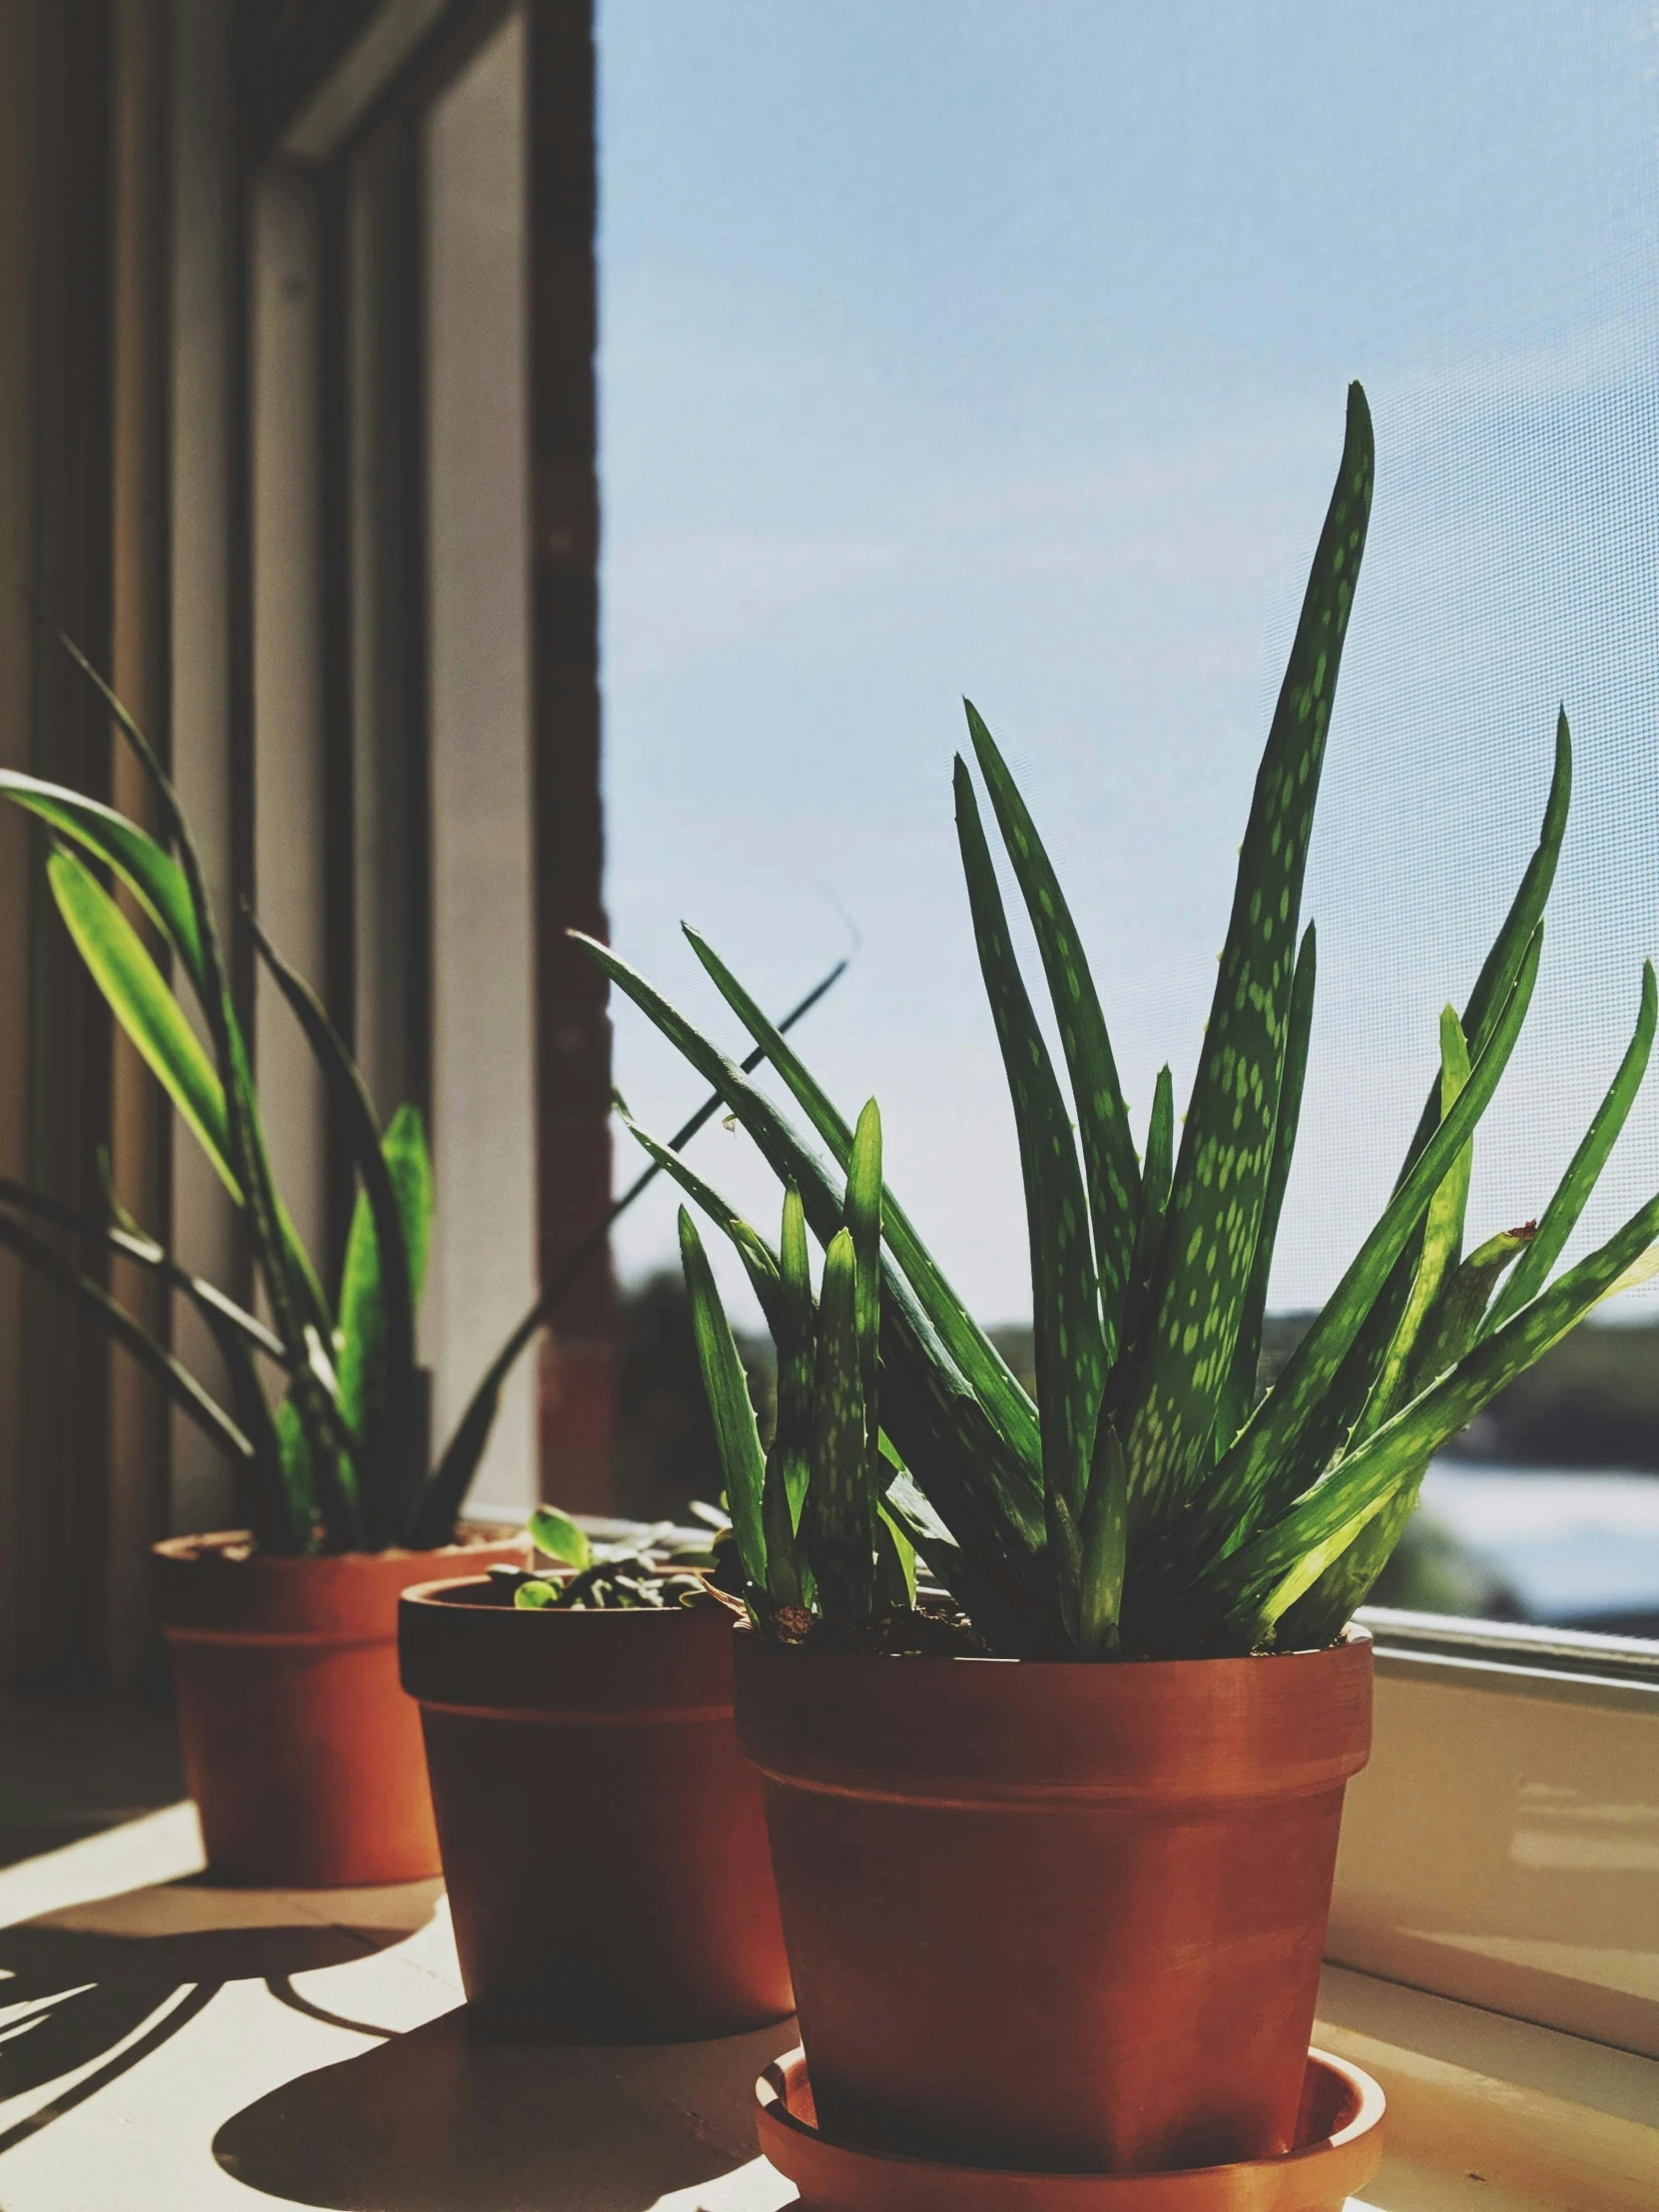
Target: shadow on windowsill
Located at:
point(79, 1986)
point(448, 2118)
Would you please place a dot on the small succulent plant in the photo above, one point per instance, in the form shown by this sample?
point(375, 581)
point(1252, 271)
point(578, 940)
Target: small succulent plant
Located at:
point(1152, 1499)
point(659, 1570)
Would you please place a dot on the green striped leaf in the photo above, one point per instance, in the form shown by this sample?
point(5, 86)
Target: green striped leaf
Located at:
point(1572, 1194)
point(957, 1455)
point(1105, 1546)
point(758, 1259)
point(730, 1404)
point(970, 1350)
point(1156, 1170)
point(1239, 1396)
point(1070, 1349)
point(1442, 1242)
point(1250, 1585)
point(1221, 1177)
point(838, 1520)
point(863, 1223)
point(1112, 1171)
point(788, 1463)
point(1264, 1467)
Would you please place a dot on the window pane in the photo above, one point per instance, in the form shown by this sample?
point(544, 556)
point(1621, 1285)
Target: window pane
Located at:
point(996, 349)
point(483, 1259)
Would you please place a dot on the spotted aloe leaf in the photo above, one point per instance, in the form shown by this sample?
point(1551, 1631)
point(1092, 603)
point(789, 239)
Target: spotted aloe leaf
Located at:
point(838, 1517)
point(1112, 1171)
point(1442, 1243)
point(1255, 1585)
point(1221, 1177)
point(1156, 1170)
point(1240, 1394)
point(958, 1455)
point(970, 1350)
point(1267, 1465)
point(863, 1223)
point(788, 1461)
point(1069, 1346)
point(1562, 1213)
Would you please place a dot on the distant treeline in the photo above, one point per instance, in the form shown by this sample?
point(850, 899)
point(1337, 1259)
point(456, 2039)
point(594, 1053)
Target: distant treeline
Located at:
point(1592, 1402)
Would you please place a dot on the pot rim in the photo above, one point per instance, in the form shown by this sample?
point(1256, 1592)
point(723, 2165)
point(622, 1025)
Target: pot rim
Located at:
point(231, 1548)
point(449, 1592)
point(1353, 1637)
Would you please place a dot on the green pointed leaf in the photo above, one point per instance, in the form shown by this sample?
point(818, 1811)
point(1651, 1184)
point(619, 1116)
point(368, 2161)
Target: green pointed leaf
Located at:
point(383, 1272)
point(838, 1519)
point(1156, 1171)
point(1443, 1240)
point(137, 996)
point(1459, 1313)
point(730, 1404)
point(559, 1537)
point(758, 1259)
point(1105, 1546)
point(1265, 1466)
point(895, 1562)
point(155, 878)
point(863, 1223)
point(1571, 1195)
point(787, 1464)
point(971, 1352)
point(1221, 1178)
point(1112, 1170)
point(1070, 1349)
point(1239, 1396)
point(157, 1362)
point(1250, 1585)
point(957, 1454)
point(377, 1379)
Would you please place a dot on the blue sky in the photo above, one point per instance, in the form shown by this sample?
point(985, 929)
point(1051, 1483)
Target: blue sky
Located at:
point(999, 346)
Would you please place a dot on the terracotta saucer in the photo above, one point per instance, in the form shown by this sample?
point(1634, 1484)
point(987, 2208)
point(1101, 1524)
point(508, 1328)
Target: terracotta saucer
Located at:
point(1341, 2125)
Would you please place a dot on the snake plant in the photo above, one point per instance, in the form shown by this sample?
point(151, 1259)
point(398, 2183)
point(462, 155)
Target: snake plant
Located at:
point(1152, 1499)
point(336, 1457)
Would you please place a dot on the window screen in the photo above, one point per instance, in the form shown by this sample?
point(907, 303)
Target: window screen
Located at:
point(997, 347)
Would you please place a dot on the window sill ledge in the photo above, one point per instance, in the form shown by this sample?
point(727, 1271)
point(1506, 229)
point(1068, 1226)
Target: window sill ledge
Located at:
point(1491, 2114)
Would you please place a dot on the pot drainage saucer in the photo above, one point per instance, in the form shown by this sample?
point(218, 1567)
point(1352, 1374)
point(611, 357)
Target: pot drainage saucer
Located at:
point(1341, 2121)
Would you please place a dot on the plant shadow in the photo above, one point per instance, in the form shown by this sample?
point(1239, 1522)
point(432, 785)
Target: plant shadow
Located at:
point(452, 2117)
point(78, 1986)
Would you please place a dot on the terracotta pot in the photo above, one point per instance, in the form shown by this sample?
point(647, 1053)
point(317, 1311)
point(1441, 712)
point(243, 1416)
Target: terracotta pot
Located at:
point(603, 1840)
point(302, 1754)
point(1057, 1917)
point(1338, 2147)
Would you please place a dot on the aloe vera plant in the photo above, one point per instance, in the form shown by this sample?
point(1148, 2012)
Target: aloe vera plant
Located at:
point(1151, 1499)
point(327, 1420)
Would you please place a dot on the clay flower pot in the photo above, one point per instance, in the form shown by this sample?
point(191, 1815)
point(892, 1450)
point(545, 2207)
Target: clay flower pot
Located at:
point(302, 1754)
point(603, 1840)
point(1338, 2146)
point(1057, 1917)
